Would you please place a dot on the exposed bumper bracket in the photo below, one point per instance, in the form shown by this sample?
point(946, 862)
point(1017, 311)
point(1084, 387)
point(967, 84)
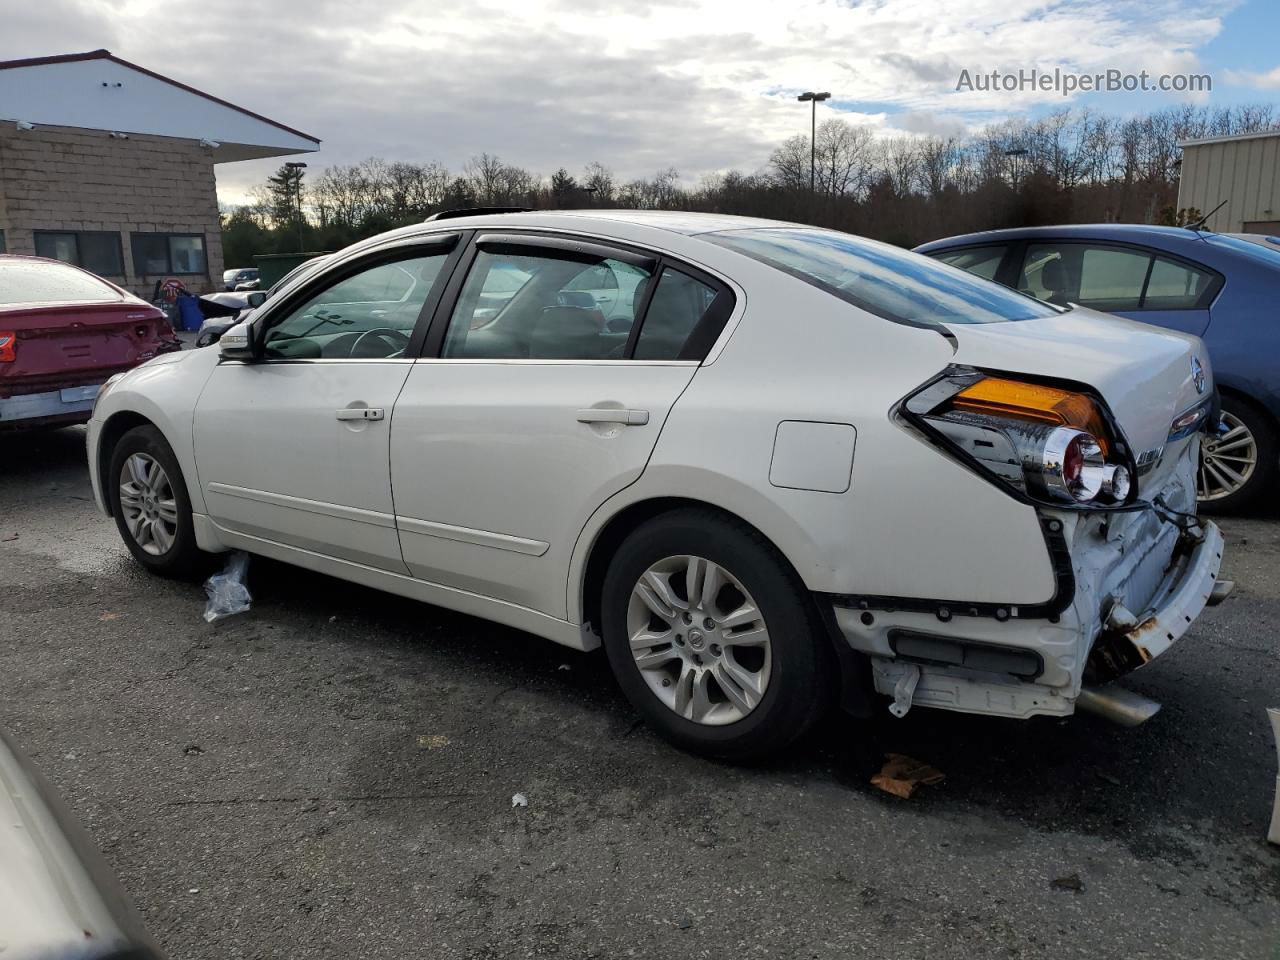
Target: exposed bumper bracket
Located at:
point(904, 690)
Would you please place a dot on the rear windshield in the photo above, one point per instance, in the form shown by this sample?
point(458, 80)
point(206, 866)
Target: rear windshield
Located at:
point(891, 283)
point(36, 281)
point(1268, 252)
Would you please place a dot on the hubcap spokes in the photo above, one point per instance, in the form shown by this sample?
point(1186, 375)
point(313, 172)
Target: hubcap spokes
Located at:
point(1226, 462)
point(699, 640)
point(147, 504)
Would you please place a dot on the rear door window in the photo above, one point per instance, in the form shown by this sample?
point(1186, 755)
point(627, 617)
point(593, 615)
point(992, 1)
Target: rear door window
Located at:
point(1175, 286)
point(1092, 275)
point(544, 305)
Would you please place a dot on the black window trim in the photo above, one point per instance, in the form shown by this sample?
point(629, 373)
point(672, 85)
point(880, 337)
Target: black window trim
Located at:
point(454, 243)
point(1204, 302)
point(141, 274)
point(590, 249)
point(53, 232)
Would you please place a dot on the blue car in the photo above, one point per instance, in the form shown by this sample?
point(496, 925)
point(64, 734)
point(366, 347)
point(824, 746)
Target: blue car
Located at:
point(1222, 288)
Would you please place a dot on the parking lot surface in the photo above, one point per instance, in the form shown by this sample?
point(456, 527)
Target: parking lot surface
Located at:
point(332, 773)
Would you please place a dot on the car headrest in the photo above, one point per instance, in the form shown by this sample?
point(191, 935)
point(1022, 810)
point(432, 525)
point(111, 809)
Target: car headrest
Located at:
point(566, 332)
point(1053, 277)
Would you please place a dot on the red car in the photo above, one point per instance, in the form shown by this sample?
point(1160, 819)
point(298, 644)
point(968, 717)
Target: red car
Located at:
point(63, 331)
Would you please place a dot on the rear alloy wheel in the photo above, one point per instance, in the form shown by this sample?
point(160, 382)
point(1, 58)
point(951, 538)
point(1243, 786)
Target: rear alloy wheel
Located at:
point(1237, 467)
point(700, 640)
point(713, 637)
point(149, 501)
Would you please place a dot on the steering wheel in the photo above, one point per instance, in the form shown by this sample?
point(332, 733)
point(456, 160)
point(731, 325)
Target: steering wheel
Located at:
point(394, 339)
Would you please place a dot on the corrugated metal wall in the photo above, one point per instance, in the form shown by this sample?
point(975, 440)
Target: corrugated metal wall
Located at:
point(1245, 173)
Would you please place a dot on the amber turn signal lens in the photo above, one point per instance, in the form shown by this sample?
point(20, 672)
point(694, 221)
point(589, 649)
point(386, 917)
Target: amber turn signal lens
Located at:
point(1031, 401)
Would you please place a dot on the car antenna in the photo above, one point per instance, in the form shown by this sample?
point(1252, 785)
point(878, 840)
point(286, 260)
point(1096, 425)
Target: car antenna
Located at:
point(1199, 224)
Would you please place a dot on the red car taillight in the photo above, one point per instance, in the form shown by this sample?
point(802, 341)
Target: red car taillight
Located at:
point(8, 346)
point(1052, 444)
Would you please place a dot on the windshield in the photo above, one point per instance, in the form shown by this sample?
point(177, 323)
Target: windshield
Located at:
point(884, 280)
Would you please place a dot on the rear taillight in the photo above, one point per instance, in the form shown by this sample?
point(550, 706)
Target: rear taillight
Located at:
point(1048, 443)
point(8, 346)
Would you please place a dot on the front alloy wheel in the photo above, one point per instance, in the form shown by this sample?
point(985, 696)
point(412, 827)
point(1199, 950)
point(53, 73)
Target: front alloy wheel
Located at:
point(699, 639)
point(147, 504)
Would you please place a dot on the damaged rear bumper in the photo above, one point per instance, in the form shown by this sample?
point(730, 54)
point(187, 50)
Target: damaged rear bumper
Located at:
point(1024, 668)
point(1187, 589)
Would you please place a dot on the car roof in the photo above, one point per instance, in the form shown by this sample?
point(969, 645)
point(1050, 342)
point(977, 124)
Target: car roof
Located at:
point(1095, 231)
point(683, 222)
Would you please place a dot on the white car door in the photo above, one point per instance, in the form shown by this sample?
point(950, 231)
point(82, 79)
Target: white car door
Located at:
point(293, 447)
point(516, 425)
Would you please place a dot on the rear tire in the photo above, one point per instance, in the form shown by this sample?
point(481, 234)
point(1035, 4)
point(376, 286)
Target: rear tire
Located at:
point(149, 500)
point(1240, 468)
point(739, 672)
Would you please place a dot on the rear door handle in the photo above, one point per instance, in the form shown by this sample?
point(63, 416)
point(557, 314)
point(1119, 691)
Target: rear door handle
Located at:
point(629, 418)
point(360, 413)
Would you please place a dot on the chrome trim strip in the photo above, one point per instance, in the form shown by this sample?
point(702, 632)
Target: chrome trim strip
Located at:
point(335, 510)
point(481, 538)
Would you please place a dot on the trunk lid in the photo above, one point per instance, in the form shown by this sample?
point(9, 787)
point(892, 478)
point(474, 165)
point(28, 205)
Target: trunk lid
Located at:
point(58, 345)
point(1145, 374)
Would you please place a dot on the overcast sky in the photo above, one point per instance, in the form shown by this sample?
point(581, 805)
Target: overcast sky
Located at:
point(699, 85)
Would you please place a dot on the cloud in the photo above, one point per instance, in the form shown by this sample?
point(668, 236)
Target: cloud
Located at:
point(701, 85)
point(1269, 80)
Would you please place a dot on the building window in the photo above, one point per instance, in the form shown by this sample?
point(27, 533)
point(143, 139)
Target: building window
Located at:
point(3, 248)
point(168, 253)
point(96, 251)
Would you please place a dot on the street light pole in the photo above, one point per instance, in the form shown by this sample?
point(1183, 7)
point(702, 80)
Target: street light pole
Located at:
point(813, 98)
point(297, 167)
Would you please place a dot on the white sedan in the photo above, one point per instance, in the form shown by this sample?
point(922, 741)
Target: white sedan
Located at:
point(791, 467)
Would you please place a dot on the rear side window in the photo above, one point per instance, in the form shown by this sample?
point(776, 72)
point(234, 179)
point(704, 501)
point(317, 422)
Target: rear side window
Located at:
point(895, 284)
point(545, 306)
point(1112, 278)
point(1175, 286)
point(980, 261)
point(26, 281)
point(678, 305)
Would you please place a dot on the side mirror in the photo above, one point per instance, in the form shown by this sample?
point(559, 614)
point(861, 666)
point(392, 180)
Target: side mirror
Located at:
point(256, 299)
point(237, 342)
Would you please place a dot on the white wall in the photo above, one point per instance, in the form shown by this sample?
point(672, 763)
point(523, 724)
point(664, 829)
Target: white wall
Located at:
point(73, 94)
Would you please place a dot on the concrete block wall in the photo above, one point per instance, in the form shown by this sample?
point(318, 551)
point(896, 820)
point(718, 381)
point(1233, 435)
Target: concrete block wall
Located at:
point(61, 178)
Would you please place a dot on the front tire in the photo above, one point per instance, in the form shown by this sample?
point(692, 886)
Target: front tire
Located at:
point(150, 504)
point(713, 638)
point(1239, 468)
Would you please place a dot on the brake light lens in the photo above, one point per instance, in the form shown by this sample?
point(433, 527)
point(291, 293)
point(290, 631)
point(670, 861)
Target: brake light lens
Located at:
point(8, 346)
point(1048, 443)
point(1032, 401)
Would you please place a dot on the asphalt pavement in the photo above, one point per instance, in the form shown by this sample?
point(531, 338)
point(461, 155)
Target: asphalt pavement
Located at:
point(332, 774)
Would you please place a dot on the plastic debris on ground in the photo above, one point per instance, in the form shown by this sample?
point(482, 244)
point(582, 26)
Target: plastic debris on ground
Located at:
point(900, 775)
point(519, 800)
point(227, 592)
point(432, 741)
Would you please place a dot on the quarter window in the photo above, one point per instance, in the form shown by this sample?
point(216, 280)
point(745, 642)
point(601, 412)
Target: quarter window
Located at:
point(96, 251)
point(365, 316)
point(545, 306)
point(164, 254)
point(678, 304)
